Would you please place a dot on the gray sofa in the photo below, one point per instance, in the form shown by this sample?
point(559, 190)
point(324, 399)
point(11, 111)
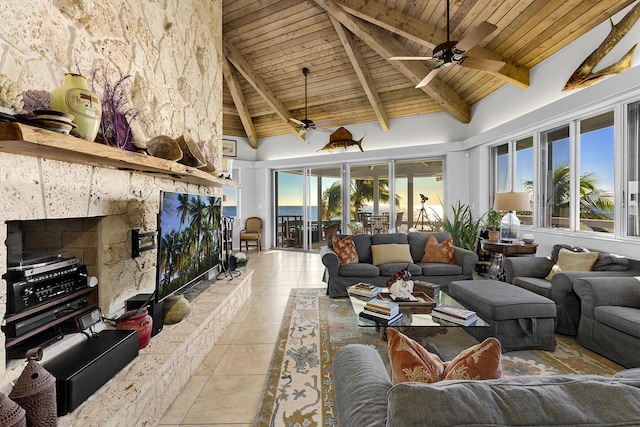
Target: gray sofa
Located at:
point(339, 278)
point(530, 273)
point(365, 396)
point(610, 317)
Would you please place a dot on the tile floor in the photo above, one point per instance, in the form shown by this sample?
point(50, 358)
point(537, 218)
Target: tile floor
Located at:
point(226, 390)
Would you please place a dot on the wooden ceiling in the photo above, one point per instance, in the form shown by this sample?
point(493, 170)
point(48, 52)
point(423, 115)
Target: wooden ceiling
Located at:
point(346, 45)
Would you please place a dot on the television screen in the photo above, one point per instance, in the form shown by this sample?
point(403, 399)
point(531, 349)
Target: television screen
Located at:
point(188, 242)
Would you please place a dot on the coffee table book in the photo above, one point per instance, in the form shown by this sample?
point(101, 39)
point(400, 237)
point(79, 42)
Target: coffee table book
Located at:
point(364, 290)
point(423, 303)
point(382, 319)
point(455, 315)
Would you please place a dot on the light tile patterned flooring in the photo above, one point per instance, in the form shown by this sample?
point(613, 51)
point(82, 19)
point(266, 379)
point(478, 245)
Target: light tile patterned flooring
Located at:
point(226, 390)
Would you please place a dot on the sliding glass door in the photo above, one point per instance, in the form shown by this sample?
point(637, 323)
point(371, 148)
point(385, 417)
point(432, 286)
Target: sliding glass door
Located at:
point(308, 207)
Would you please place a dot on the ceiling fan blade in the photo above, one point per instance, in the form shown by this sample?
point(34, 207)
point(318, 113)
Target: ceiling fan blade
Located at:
point(482, 64)
point(475, 36)
point(428, 77)
point(302, 132)
point(296, 121)
point(410, 58)
point(325, 130)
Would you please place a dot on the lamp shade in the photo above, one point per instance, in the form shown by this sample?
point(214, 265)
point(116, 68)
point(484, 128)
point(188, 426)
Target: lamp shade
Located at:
point(512, 201)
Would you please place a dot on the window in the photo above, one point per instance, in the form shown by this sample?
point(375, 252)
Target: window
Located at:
point(575, 183)
point(230, 198)
point(631, 191)
point(414, 180)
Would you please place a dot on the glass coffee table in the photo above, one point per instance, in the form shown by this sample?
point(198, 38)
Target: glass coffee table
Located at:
point(419, 326)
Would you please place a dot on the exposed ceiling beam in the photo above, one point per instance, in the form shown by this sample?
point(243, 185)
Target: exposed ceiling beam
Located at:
point(363, 73)
point(254, 80)
point(415, 71)
point(231, 79)
point(427, 35)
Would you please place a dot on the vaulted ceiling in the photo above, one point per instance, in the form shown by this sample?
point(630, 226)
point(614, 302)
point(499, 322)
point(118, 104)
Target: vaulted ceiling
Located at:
point(346, 45)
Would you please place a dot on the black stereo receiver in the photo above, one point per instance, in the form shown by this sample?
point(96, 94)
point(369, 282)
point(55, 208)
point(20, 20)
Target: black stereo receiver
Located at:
point(34, 284)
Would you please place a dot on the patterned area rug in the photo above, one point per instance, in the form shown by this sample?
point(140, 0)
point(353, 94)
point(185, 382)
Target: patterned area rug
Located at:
point(299, 387)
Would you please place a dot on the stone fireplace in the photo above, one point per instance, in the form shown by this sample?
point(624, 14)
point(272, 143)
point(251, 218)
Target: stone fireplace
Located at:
point(51, 206)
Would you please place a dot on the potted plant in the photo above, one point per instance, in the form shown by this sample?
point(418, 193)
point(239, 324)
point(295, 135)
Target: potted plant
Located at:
point(330, 227)
point(492, 225)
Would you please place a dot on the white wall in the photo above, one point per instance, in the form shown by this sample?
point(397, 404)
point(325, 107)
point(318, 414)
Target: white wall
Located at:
point(507, 113)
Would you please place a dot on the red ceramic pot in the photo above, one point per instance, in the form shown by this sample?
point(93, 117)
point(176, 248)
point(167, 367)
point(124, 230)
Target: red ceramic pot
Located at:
point(139, 321)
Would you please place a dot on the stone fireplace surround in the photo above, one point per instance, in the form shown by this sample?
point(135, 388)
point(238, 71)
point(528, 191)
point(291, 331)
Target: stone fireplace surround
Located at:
point(112, 202)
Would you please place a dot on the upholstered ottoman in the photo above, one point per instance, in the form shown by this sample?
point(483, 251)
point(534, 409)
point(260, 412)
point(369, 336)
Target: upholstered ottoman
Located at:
point(519, 318)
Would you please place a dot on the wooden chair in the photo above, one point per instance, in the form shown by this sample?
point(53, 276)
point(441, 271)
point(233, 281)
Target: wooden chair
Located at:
point(252, 232)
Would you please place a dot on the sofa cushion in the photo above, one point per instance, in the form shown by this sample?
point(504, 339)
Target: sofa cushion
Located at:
point(386, 238)
point(534, 284)
point(439, 269)
point(391, 252)
point(611, 262)
point(363, 245)
point(441, 252)
point(410, 361)
point(573, 261)
point(544, 400)
point(388, 269)
point(418, 240)
point(361, 269)
point(624, 319)
point(345, 249)
point(556, 249)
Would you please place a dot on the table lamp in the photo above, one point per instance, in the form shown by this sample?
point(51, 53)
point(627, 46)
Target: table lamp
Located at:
point(512, 201)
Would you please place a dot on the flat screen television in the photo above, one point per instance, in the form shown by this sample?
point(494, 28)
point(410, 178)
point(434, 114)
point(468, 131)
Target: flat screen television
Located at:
point(188, 240)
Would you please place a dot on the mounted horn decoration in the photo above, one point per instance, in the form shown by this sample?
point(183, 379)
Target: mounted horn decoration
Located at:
point(584, 75)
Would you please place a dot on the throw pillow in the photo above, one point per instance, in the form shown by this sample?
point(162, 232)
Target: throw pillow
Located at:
point(412, 362)
point(439, 252)
point(391, 252)
point(573, 261)
point(345, 248)
point(481, 362)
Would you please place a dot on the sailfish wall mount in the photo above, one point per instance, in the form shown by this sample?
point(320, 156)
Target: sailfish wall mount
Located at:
point(584, 76)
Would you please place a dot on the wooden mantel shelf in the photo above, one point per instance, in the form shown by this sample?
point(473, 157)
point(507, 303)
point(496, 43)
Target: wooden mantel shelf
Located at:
point(18, 138)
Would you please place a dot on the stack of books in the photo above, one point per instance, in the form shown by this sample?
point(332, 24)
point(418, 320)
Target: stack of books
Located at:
point(456, 315)
point(364, 290)
point(381, 311)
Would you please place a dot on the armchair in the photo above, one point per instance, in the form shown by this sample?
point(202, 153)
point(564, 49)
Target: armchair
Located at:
point(530, 273)
point(610, 317)
point(252, 232)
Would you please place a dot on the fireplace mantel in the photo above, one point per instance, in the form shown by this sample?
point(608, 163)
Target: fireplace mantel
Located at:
point(21, 139)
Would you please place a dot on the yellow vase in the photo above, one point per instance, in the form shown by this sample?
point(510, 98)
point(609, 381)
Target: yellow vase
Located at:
point(75, 98)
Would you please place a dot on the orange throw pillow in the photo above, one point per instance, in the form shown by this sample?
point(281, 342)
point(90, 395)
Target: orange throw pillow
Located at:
point(439, 252)
point(481, 362)
point(345, 248)
point(412, 362)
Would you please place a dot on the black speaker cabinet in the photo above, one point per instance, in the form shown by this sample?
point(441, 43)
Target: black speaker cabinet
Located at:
point(83, 369)
point(153, 308)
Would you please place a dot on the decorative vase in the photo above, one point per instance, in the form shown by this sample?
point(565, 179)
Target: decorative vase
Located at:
point(11, 414)
point(139, 321)
point(75, 98)
point(176, 308)
point(494, 235)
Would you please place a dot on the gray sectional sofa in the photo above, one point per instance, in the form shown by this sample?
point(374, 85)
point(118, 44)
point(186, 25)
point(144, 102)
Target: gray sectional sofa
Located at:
point(339, 278)
point(365, 396)
point(530, 272)
point(610, 317)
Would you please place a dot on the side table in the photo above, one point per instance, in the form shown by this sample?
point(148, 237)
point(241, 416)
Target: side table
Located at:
point(498, 250)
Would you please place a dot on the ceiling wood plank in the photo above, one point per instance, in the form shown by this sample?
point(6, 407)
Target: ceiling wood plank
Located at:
point(363, 74)
point(245, 69)
point(413, 29)
point(414, 71)
point(231, 79)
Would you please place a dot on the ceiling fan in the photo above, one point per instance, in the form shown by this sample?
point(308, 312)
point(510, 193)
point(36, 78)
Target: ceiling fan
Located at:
point(452, 52)
point(307, 124)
